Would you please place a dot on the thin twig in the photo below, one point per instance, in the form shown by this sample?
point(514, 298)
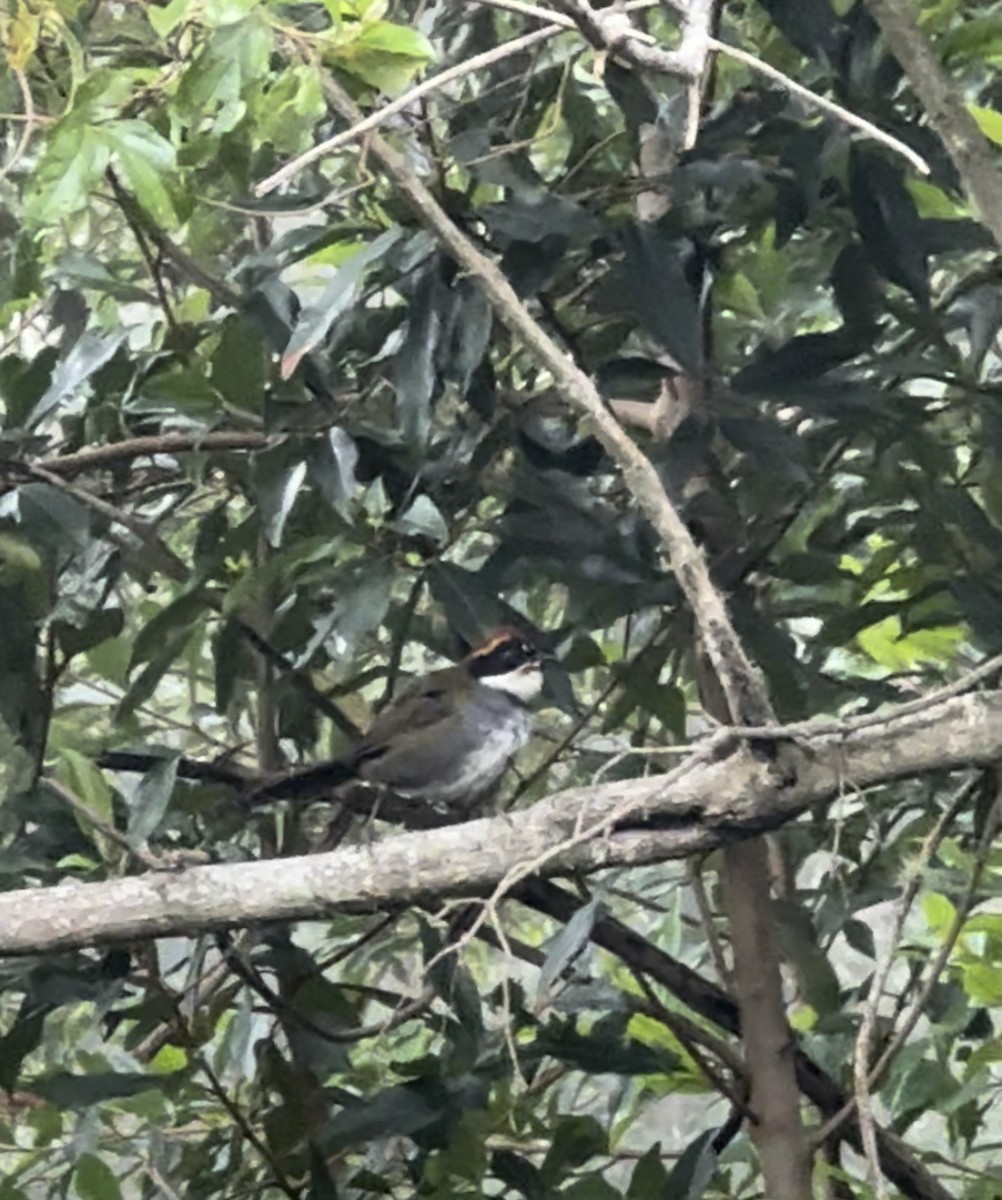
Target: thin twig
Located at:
point(141, 854)
point(717, 955)
point(374, 120)
point(828, 106)
point(96, 457)
point(129, 211)
point(686, 1032)
point(29, 123)
point(865, 1076)
point(838, 111)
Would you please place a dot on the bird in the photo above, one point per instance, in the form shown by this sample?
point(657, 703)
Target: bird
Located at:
point(447, 739)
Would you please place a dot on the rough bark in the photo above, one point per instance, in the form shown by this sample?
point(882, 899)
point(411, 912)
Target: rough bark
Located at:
point(617, 824)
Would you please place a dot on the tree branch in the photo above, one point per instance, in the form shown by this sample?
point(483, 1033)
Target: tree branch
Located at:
point(945, 108)
point(897, 1161)
point(740, 682)
point(96, 458)
point(716, 802)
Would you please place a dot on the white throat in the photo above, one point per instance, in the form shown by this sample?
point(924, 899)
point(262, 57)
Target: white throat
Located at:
point(523, 684)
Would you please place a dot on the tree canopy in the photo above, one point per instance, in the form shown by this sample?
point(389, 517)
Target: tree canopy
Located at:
point(625, 327)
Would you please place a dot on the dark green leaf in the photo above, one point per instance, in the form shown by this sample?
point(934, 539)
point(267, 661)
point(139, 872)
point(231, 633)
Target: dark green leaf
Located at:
point(339, 294)
point(649, 1180)
point(565, 948)
point(149, 803)
point(859, 935)
point(575, 1140)
point(174, 618)
point(519, 1173)
point(92, 351)
point(661, 295)
point(93, 1179)
point(693, 1172)
point(888, 221)
point(239, 363)
point(799, 942)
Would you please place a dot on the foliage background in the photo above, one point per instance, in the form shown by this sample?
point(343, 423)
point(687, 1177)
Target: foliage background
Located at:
point(356, 471)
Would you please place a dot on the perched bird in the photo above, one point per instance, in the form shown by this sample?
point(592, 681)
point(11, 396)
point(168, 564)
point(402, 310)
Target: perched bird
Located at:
point(446, 739)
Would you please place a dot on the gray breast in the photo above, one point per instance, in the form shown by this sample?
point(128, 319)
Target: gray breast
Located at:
point(496, 727)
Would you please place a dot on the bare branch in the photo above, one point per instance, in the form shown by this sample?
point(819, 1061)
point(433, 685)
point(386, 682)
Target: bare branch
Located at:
point(363, 126)
point(838, 111)
point(98, 457)
point(712, 805)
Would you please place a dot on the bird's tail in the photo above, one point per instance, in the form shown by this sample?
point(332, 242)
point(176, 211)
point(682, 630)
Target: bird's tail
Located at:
point(311, 783)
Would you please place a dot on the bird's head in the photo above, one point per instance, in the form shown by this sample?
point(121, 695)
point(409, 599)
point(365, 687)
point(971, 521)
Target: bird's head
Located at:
point(508, 661)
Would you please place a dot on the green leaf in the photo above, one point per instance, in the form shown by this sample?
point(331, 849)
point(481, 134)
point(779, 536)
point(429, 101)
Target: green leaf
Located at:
point(70, 1091)
point(575, 1140)
point(983, 983)
point(693, 1172)
point(87, 782)
point(151, 799)
point(239, 364)
point(276, 494)
point(161, 660)
point(73, 163)
point(166, 19)
point(93, 1179)
point(424, 518)
point(649, 1180)
point(185, 391)
point(593, 1187)
point(210, 94)
point(566, 946)
point(799, 941)
point(384, 56)
point(940, 913)
point(177, 616)
point(337, 297)
point(92, 351)
point(145, 158)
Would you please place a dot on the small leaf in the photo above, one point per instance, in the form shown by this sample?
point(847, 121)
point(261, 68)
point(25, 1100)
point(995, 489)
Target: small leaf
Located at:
point(649, 1180)
point(93, 1179)
point(574, 1141)
point(989, 122)
point(165, 20)
point(276, 498)
point(565, 947)
point(385, 56)
point(176, 616)
point(518, 1173)
point(693, 1172)
point(333, 464)
point(82, 1091)
point(144, 158)
point(859, 935)
point(425, 519)
point(239, 364)
point(659, 292)
point(799, 941)
point(86, 781)
point(151, 798)
point(90, 352)
point(337, 297)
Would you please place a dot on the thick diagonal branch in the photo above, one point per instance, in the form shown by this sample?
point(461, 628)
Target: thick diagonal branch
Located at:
point(944, 105)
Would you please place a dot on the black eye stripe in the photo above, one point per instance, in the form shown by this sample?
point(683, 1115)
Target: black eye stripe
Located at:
point(507, 656)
